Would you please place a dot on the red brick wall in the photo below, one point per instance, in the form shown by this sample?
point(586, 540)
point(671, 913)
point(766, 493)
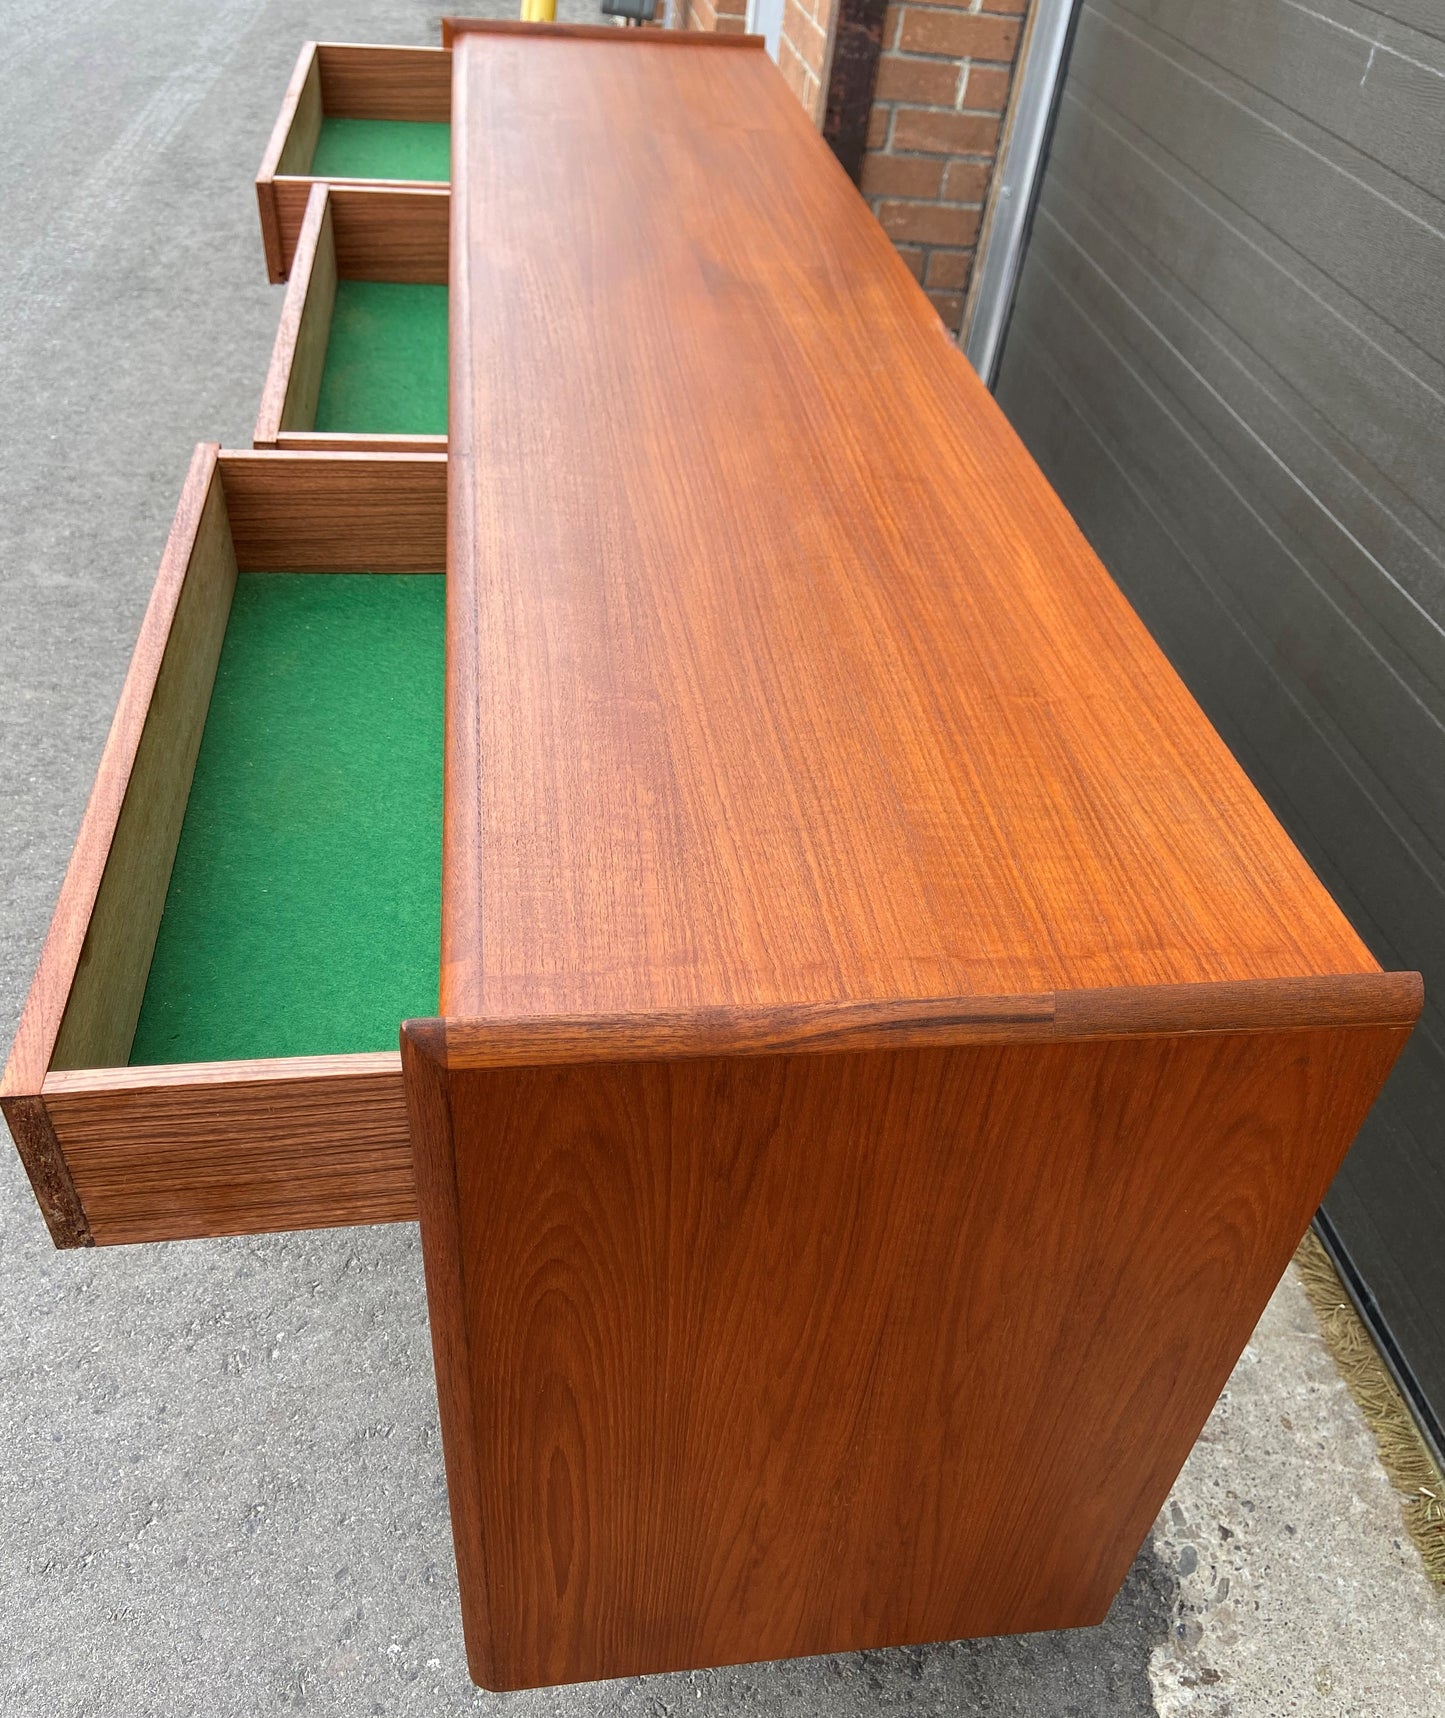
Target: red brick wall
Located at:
point(804, 50)
point(727, 17)
point(943, 83)
point(942, 87)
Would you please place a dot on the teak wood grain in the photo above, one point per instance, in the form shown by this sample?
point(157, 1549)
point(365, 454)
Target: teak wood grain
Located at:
point(392, 232)
point(235, 1148)
point(784, 616)
point(293, 378)
point(888, 1049)
point(129, 1154)
point(364, 80)
point(1265, 1005)
point(121, 861)
point(754, 1357)
point(288, 156)
point(337, 512)
point(346, 81)
point(349, 233)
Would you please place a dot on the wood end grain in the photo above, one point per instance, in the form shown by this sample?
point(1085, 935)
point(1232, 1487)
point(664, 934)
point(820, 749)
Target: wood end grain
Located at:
point(48, 1171)
point(427, 1038)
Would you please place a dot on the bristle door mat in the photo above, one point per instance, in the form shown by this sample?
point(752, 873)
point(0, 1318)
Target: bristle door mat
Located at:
point(386, 360)
point(410, 149)
point(304, 910)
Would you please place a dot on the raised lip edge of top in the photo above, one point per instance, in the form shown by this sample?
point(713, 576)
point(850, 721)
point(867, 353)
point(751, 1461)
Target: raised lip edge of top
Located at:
point(1321, 1002)
point(661, 38)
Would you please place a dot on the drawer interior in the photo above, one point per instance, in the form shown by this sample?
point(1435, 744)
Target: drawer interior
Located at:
point(408, 149)
point(303, 914)
point(253, 903)
point(355, 111)
point(385, 371)
point(360, 359)
point(359, 115)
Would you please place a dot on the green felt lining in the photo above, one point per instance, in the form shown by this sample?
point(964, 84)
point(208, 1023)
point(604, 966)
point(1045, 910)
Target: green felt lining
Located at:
point(383, 149)
point(304, 910)
point(386, 360)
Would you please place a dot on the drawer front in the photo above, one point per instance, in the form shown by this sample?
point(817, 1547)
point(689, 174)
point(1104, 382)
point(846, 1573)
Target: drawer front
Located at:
point(227, 1149)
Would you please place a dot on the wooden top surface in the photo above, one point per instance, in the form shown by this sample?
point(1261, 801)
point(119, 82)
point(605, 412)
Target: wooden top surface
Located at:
point(777, 673)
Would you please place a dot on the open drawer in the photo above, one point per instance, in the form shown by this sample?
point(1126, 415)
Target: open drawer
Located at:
point(210, 1041)
point(374, 115)
point(360, 360)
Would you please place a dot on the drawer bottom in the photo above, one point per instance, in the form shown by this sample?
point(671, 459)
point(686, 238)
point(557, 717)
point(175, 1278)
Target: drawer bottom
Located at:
point(303, 915)
point(408, 149)
point(385, 371)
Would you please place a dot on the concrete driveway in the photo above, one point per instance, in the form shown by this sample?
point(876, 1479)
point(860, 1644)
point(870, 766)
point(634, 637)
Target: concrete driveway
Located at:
point(221, 1486)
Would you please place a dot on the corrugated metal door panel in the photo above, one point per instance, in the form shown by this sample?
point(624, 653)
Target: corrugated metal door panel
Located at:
point(1228, 354)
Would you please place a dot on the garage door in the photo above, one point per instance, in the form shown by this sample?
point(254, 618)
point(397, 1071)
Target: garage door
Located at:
point(1227, 352)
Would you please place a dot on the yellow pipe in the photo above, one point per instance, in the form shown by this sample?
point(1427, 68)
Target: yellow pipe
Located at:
point(539, 11)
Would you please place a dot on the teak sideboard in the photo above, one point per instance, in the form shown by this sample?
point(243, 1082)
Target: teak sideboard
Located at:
point(884, 1051)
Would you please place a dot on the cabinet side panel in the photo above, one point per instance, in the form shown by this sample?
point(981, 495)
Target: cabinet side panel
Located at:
point(779, 1356)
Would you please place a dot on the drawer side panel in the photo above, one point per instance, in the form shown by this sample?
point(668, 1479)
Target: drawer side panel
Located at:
point(110, 977)
point(293, 378)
